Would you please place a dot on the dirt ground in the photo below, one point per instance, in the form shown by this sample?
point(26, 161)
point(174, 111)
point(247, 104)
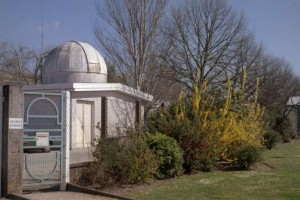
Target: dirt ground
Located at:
point(63, 196)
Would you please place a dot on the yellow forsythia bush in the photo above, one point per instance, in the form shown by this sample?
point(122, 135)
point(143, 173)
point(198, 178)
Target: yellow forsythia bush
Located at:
point(232, 125)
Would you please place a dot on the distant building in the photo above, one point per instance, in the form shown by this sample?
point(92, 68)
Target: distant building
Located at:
point(11, 78)
point(294, 112)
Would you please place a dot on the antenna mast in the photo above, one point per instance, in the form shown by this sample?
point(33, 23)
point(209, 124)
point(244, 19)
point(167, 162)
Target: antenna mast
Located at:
point(42, 42)
point(40, 60)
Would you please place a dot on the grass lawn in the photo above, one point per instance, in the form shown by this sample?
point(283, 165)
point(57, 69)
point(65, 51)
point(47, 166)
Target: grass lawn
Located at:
point(280, 181)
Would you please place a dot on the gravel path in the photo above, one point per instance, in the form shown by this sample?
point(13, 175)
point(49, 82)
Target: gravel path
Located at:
point(63, 196)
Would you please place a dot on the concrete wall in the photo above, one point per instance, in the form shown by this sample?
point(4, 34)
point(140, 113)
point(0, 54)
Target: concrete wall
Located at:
point(121, 113)
point(76, 172)
point(12, 162)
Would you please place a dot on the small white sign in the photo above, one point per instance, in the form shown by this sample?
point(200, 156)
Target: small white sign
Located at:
point(15, 123)
point(42, 139)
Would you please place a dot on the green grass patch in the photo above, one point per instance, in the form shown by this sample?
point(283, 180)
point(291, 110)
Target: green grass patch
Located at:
point(277, 177)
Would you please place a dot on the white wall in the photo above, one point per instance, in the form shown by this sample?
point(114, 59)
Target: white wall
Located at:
point(121, 111)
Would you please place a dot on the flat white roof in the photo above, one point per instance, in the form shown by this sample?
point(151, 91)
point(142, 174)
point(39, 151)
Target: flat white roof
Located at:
point(88, 87)
point(293, 101)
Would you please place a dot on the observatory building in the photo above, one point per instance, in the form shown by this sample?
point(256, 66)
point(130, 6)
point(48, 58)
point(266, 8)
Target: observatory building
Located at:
point(49, 131)
point(91, 107)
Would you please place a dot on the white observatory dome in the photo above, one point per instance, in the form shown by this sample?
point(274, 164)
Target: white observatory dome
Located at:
point(74, 62)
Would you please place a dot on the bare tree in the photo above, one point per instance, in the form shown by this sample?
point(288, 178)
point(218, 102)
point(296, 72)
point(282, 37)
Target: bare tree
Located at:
point(248, 59)
point(277, 80)
point(20, 64)
point(131, 40)
point(278, 83)
point(14, 62)
point(204, 36)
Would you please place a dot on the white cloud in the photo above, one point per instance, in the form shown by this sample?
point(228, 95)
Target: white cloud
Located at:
point(51, 26)
point(56, 24)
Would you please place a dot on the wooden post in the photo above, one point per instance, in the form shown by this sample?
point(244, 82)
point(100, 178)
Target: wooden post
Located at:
point(103, 117)
point(137, 113)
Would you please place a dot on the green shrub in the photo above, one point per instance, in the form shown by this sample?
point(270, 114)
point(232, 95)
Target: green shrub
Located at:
point(246, 156)
point(126, 160)
point(168, 154)
point(271, 139)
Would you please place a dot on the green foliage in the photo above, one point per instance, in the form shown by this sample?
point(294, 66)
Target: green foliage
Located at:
point(159, 121)
point(246, 156)
point(271, 138)
point(279, 177)
point(126, 160)
point(168, 154)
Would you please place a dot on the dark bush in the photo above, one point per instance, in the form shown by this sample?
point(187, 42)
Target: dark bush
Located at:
point(199, 150)
point(285, 129)
point(271, 138)
point(246, 156)
point(125, 160)
point(168, 154)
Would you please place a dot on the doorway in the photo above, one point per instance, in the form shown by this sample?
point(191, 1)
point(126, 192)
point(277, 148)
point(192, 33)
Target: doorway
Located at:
point(83, 124)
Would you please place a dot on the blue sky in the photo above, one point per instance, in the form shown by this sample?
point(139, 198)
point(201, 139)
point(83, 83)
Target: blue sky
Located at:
point(276, 23)
point(64, 20)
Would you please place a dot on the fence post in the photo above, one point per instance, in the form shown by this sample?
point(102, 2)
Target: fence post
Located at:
point(104, 117)
point(66, 140)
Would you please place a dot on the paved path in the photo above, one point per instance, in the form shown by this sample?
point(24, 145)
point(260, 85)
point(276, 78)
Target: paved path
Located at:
point(63, 196)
